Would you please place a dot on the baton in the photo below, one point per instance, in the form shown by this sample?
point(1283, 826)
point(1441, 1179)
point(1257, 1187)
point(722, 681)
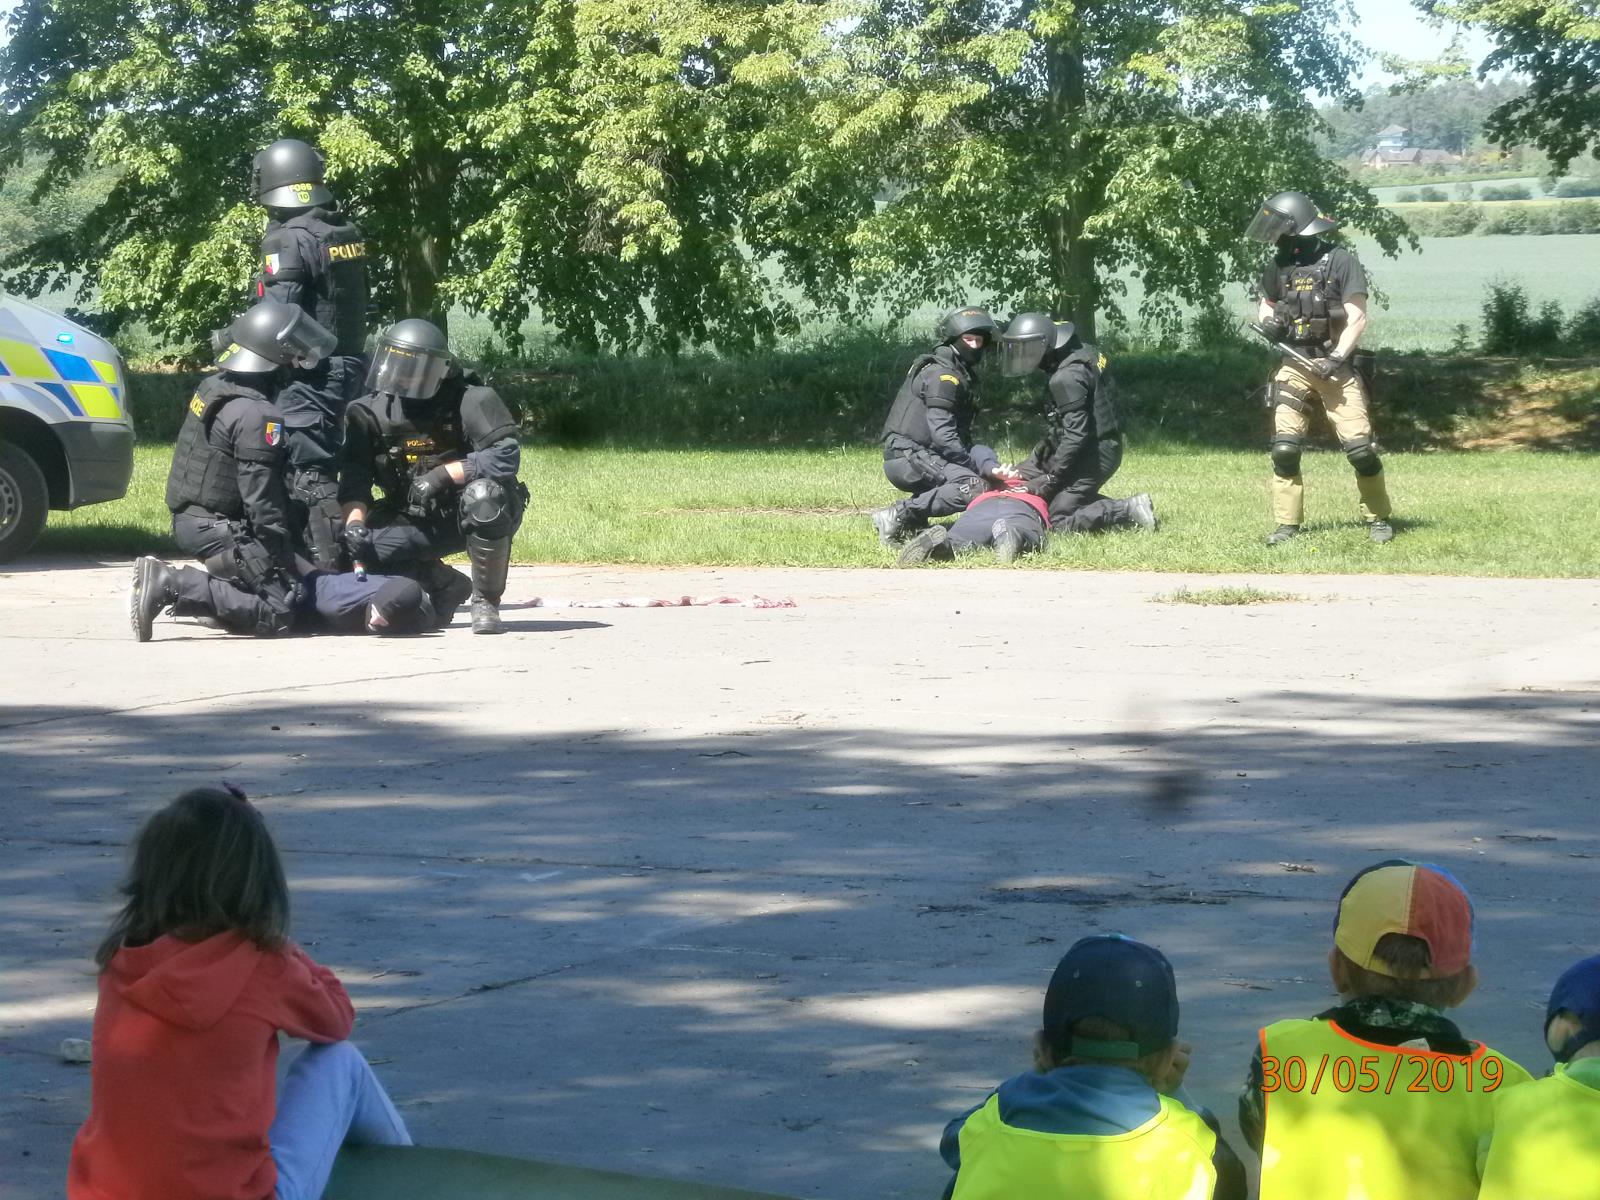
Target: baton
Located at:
point(1282, 348)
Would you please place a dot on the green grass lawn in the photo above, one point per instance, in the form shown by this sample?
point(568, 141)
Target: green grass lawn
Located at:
point(1457, 514)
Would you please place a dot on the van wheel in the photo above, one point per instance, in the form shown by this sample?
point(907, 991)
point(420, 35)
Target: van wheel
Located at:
point(24, 502)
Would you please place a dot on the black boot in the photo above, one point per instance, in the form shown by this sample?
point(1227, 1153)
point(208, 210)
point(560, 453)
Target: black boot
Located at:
point(892, 523)
point(447, 588)
point(155, 589)
point(1282, 534)
point(491, 560)
point(1007, 540)
point(930, 543)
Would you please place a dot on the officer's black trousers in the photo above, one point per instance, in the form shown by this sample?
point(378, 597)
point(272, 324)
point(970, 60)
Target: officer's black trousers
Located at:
point(1079, 507)
point(313, 402)
point(938, 488)
point(402, 541)
point(213, 539)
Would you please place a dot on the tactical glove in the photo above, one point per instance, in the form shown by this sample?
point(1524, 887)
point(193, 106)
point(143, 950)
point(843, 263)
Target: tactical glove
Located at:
point(1273, 330)
point(1328, 367)
point(357, 542)
point(427, 489)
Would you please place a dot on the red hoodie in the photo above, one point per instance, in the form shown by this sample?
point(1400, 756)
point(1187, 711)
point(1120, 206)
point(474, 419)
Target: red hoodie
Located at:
point(185, 1061)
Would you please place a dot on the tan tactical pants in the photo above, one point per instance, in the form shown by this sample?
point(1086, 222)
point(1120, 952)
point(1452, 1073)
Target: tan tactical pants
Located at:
point(1344, 399)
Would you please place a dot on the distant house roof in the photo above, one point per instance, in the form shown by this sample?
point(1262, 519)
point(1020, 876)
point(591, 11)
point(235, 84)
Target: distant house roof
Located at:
point(1437, 156)
point(1386, 155)
point(1393, 131)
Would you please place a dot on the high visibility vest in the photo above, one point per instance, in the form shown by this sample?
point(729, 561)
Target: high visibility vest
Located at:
point(1348, 1119)
point(1546, 1142)
point(1166, 1158)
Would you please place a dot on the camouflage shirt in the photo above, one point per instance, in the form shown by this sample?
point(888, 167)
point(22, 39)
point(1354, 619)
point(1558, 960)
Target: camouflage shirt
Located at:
point(1380, 1019)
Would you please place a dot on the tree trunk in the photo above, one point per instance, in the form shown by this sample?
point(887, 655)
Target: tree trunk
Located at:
point(425, 257)
point(1074, 284)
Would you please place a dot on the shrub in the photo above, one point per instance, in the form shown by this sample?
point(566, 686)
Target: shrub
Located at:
point(1432, 195)
point(1406, 197)
point(1506, 191)
point(1537, 221)
point(1578, 187)
point(1584, 216)
point(1508, 326)
point(1512, 220)
point(1583, 331)
point(1463, 191)
point(1458, 220)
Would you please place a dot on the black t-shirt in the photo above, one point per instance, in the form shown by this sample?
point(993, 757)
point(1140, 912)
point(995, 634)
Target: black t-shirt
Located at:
point(1346, 277)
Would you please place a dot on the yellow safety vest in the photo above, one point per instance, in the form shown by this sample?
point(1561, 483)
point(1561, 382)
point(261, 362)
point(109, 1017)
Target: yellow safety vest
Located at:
point(1546, 1142)
point(1166, 1158)
point(1348, 1119)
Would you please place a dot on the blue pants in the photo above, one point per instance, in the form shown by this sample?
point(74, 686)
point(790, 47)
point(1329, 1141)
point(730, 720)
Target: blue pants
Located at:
point(330, 1097)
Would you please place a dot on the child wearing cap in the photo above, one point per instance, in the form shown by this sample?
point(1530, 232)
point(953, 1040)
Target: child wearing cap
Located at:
point(1546, 1140)
point(1380, 1097)
point(1098, 1117)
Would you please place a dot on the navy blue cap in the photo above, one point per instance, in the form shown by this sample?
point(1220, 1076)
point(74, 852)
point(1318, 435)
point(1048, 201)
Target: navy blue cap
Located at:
point(1116, 979)
point(1577, 992)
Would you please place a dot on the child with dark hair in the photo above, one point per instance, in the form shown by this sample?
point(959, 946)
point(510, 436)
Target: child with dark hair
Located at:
point(197, 978)
point(1100, 1117)
point(1546, 1140)
point(1381, 1096)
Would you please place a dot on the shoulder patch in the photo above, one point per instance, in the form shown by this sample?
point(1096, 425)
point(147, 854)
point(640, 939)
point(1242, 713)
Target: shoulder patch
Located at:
point(272, 264)
point(1101, 365)
point(196, 405)
point(951, 379)
point(274, 433)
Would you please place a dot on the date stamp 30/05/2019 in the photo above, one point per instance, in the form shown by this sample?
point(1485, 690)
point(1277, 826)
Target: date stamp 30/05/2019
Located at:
point(1370, 1073)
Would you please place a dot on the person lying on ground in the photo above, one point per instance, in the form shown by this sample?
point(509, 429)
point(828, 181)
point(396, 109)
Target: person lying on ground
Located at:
point(1008, 518)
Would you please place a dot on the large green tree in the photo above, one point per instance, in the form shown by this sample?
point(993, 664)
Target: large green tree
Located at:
point(1555, 44)
point(1048, 145)
point(637, 170)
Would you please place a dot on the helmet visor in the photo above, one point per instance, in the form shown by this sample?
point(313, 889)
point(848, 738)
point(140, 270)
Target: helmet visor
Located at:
point(305, 343)
point(406, 372)
point(1019, 355)
point(1268, 226)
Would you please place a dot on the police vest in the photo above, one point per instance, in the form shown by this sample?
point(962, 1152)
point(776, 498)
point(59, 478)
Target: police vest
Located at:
point(414, 437)
point(337, 277)
point(1347, 1117)
point(1169, 1157)
point(1546, 1142)
point(908, 416)
point(204, 474)
point(1303, 305)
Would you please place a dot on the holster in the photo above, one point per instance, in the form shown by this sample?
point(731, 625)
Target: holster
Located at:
point(1365, 363)
point(324, 517)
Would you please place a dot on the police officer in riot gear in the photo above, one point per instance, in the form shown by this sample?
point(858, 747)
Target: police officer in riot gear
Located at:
point(443, 449)
point(313, 257)
point(226, 488)
point(927, 438)
point(1082, 444)
point(1313, 297)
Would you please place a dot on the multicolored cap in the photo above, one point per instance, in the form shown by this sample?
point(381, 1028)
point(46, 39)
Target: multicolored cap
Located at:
point(1417, 899)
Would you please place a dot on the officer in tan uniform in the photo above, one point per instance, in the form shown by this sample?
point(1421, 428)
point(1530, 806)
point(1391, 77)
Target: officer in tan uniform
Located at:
point(1313, 297)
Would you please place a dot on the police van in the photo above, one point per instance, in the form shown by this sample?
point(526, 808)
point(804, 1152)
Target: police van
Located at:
point(66, 435)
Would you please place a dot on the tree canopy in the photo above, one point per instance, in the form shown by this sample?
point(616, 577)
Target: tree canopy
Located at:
point(683, 171)
point(1555, 44)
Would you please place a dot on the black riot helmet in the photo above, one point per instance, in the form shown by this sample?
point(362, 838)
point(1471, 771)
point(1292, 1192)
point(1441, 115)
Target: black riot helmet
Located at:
point(959, 322)
point(289, 174)
point(1032, 340)
point(411, 360)
point(1288, 214)
point(272, 335)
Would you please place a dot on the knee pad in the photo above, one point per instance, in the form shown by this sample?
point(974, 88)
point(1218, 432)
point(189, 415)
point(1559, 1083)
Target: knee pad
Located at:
point(486, 507)
point(1286, 455)
point(969, 486)
point(1363, 456)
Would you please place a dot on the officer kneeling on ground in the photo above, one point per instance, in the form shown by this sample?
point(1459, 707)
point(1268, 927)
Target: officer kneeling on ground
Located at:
point(443, 449)
point(927, 438)
point(230, 508)
point(1082, 444)
point(314, 257)
point(1314, 298)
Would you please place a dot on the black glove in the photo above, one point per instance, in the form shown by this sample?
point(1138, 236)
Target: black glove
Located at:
point(357, 542)
point(1273, 330)
point(1328, 367)
point(427, 489)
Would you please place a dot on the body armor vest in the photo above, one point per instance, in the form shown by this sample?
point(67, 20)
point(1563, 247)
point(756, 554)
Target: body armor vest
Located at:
point(908, 415)
point(1303, 304)
point(204, 474)
point(341, 288)
point(414, 440)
